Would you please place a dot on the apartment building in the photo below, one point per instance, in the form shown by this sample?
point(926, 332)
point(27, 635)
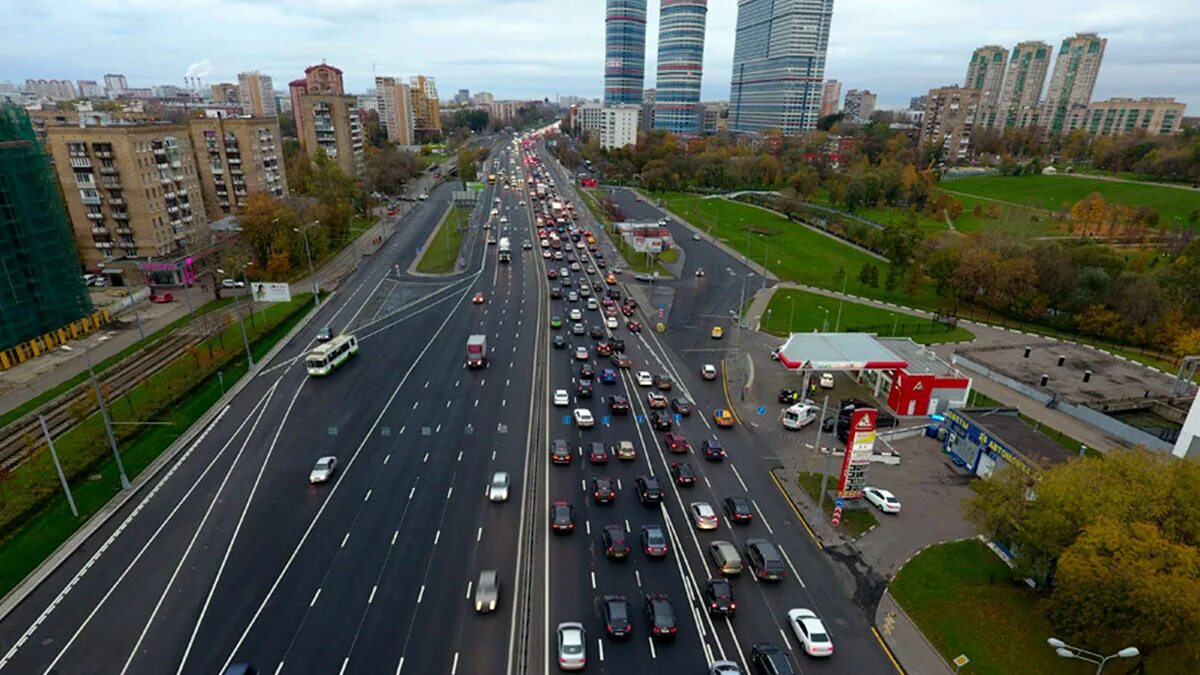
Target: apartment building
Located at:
point(1158, 116)
point(949, 120)
point(427, 110)
point(331, 123)
point(319, 79)
point(1021, 90)
point(394, 101)
point(985, 72)
point(256, 95)
point(115, 85)
point(1073, 80)
point(130, 191)
point(681, 25)
point(831, 97)
point(238, 156)
point(225, 93)
point(55, 90)
point(859, 106)
point(624, 51)
point(620, 126)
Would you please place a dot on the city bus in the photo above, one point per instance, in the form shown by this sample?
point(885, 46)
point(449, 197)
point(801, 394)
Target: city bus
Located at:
point(326, 357)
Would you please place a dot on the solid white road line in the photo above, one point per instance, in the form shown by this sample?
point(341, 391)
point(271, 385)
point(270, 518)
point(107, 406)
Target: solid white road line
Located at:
point(372, 598)
point(421, 595)
point(739, 477)
point(314, 598)
point(789, 562)
point(469, 585)
point(760, 515)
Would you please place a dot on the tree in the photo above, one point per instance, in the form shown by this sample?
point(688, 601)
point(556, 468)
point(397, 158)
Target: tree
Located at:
point(466, 165)
point(1187, 343)
point(899, 242)
point(389, 170)
point(868, 276)
point(805, 182)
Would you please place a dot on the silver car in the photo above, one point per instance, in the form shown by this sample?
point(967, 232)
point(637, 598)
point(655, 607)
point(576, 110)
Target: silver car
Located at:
point(323, 470)
point(487, 591)
point(724, 668)
point(498, 488)
point(572, 648)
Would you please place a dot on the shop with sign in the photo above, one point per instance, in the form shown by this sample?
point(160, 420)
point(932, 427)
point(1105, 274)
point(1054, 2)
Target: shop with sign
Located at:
point(980, 440)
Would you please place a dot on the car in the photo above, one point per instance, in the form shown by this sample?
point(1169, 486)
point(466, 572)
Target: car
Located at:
point(545, 253)
point(560, 452)
point(660, 615)
point(498, 487)
point(810, 632)
point(230, 283)
point(660, 421)
point(618, 405)
point(683, 474)
point(575, 267)
point(603, 349)
point(663, 382)
point(677, 442)
point(648, 489)
point(717, 332)
point(325, 334)
point(703, 516)
point(556, 322)
point(616, 545)
point(597, 453)
point(583, 388)
point(627, 310)
point(633, 326)
point(575, 314)
point(712, 450)
point(581, 354)
point(654, 541)
point(584, 290)
point(583, 418)
point(612, 323)
point(738, 509)
point(722, 418)
point(604, 490)
point(620, 360)
point(882, 499)
point(478, 299)
point(769, 659)
point(826, 380)
point(617, 621)
point(323, 470)
point(708, 371)
point(487, 591)
point(624, 450)
point(848, 405)
point(718, 595)
point(610, 279)
point(551, 274)
point(586, 371)
point(572, 646)
point(618, 344)
point(596, 332)
point(681, 406)
point(556, 294)
point(562, 516)
point(765, 560)
point(526, 245)
point(656, 400)
point(644, 379)
point(722, 667)
point(578, 329)
point(560, 342)
point(572, 296)
point(608, 376)
point(726, 557)
point(161, 298)
point(561, 397)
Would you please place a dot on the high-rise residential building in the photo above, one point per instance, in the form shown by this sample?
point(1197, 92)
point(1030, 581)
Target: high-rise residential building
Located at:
point(588, 117)
point(115, 85)
point(710, 116)
point(985, 72)
point(483, 98)
point(917, 103)
point(131, 191)
point(427, 110)
point(649, 100)
point(1157, 116)
point(1073, 79)
point(331, 123)
point(90, 89)
point(949, 120)
point(319, 79)
point(463, 96)
point(831, 97)
point(859, 106)
point(56, 90)
point(779, 64)
point(680, 65)
point(1021, 91)
point(620, 125)
point(624, 51)
point(40, 284)
point(394, 101)
point(256, 94)
point(225, 93)
point(238, 157)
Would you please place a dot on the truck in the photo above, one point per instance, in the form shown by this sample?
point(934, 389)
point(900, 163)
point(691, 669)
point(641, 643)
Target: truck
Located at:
point(541, 190)
point(476, 351)
point(556, 209)
point(505, 250)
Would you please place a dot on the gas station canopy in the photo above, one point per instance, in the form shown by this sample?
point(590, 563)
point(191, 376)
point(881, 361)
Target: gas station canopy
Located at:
point(837, 351)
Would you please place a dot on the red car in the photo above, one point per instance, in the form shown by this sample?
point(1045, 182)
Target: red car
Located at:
point(677, 443)
point(478, 299)
point(633, 326)
point(597, 453)
point(603, 349)
point(627, 310)
point(552, 274)
point(161, 298)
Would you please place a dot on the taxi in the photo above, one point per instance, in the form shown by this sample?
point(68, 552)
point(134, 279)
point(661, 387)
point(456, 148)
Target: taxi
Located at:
point(717, 332)
point(723, 418)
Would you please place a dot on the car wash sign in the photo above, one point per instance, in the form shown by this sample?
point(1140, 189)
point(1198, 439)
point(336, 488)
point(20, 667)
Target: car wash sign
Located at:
point(860, 442)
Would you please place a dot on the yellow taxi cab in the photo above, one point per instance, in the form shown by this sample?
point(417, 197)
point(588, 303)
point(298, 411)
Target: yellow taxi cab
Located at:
point(591, 239)
point(610, 279)
point(723, 418)
point(717, 332)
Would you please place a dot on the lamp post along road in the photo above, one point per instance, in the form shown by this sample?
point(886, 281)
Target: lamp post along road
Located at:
point(242, 323)
point(1070, 652)
point(112, 440)
point(308, 254)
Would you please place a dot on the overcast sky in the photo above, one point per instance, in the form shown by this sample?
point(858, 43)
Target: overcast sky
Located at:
point(540, 48)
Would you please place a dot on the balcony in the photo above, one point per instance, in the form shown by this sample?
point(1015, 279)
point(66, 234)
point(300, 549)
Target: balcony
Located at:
point(224, 203)
point(111, 183)
point(182, 192)
point(108, 170)
point(222, 194)
point(100, 230)
point(95, 215)
point(168, 195)
point(81, 162)
point(172, 209)
point(179, 177)
point(121, 215)
point(176, 164)
point(235, 171)
point(124, 229)
point(104, 245)
point(235, 160)
point(104, 154)
point(116, 201)
point(240, 193)
point(165, 180)
point(163, 166)
point(84, 180)
point(91, 201)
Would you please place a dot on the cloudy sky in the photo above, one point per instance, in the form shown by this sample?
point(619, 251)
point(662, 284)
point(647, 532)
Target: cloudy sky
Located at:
point(539, 48)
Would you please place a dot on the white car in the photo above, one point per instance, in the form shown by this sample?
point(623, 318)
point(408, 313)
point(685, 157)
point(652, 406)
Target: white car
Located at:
point(323, 470)
point(423, 196)
point(575, 314)
point(611, 322)
point(581, 353)
point(644, 379)
point(592, 304)
point(498, 488)
point(882, 499)
point(826, 381)
point(695, 237)
point(503, 219)
point(703, 516)
point(572, 647)
point(561, 397)
point(810, 632)
point(708, 371)
point(584, 419)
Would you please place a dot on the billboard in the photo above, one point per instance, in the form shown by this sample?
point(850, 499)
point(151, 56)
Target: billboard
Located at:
point(859, 444)
point(265, 291)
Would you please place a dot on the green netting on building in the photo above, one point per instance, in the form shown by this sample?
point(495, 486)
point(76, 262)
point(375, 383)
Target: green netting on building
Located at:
point(41, 287)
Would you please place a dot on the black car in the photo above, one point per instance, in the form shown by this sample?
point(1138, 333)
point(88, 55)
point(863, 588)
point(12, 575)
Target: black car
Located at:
point(604, 489)
point(596, 332)
point(325, 334)
point(713, 450)
point(560, 342)
point(718, 595)
point(617, 621)
point(560, 452)
point(616, 545)
point(586, 371)
point(846, 406)
point(660, 421)
point(660, 614)
point(769, 659)
point(556, 293)
point(738, 509)
point(614, 294)
point(562, 516)
point(619, 405)
point(649, 491)
point(618, 344)
point(683, 474)
point(681, 406)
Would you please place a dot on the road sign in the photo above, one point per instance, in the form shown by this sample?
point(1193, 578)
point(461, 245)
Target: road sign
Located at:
point(678, 417)
point(566, 419)
point(660, 327)
point(762, 410)
point(837, 516)
point(606, 421)
point(839, 502)
point(641, 419)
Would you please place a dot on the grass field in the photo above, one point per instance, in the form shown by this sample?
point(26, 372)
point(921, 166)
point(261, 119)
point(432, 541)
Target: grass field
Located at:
point(808, 312)
point(442, 254)
point(1056, 192)
point(793, 251)
point(854, 521)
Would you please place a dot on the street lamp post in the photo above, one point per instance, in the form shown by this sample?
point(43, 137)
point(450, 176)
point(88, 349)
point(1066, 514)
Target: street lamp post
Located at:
point(825, 321)
point(241, 322)
point(1069, 652)
point(262, 312)
point(136, 316)
point(308, 254)
point(112, 440)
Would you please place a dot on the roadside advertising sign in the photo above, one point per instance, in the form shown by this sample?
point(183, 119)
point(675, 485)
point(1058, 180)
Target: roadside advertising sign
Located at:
point(859, 444)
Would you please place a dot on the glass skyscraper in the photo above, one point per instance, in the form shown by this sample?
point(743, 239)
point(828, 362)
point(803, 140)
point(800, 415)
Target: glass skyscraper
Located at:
point(680, 65)
point(624, 51)
point(779, 64)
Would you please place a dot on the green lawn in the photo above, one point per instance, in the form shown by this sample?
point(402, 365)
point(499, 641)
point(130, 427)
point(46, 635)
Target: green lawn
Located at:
point(796, 253)
point(854, 521)
point(1056, 192)
point(442, 254)
point(807, 312)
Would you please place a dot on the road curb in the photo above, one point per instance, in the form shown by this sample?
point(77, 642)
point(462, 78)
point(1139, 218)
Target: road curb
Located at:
point(30, 583)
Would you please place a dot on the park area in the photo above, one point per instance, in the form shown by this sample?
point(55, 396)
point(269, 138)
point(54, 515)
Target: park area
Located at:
point(795, 311)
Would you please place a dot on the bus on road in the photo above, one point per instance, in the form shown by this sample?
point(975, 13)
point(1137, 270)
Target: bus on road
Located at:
point(325, 358)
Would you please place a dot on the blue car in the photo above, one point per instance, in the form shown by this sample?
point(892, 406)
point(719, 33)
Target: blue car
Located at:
point(608, 376)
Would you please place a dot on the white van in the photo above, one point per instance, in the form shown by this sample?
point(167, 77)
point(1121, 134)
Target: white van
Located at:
point(799, 416)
